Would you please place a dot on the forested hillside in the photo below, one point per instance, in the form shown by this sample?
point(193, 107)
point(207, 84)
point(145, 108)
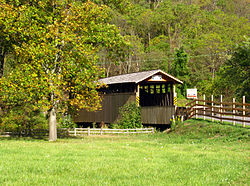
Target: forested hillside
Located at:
point(205, 31)
point(199, 35)
point(194, 40)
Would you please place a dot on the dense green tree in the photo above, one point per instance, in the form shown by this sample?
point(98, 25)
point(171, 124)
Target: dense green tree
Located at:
point(179, 68)
point(157, 54)
point(237, 7)
point(210, 41)
point(234, 75)
point(7, 37)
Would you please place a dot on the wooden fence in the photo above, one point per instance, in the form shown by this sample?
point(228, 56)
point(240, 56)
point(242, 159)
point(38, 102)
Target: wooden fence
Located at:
point(231, 111)
point(103, 131)
point(78, 132)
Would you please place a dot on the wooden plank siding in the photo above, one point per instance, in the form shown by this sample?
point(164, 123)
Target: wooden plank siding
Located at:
point(110, 111)
point(110, 108)
point(157, 114)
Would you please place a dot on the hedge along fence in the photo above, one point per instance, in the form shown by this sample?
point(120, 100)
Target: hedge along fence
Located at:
point(80, 132)
point(220, 110)
point(34, 133)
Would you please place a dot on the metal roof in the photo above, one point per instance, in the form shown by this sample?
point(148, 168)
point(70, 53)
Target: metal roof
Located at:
point(135, 77)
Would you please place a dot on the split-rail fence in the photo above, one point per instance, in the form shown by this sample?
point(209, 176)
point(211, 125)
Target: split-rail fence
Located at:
point(218, 110)
point(103, 131)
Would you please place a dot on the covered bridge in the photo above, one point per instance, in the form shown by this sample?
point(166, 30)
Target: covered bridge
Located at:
point(153, 90)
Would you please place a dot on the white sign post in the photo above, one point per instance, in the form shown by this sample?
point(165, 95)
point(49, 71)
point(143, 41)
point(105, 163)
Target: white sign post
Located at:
point(192, 93)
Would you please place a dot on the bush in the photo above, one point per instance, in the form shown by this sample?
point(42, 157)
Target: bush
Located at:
point(22, 118)
point(66, 122)
point(130, 116)
point(114, 126)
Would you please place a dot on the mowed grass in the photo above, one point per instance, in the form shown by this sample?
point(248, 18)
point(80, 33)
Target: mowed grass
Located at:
point(198, 153)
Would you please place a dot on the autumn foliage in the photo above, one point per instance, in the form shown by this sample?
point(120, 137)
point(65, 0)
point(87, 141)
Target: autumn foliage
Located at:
point(57, 45)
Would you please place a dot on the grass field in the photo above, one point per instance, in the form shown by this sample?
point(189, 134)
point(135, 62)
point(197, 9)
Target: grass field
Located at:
point(198, 153)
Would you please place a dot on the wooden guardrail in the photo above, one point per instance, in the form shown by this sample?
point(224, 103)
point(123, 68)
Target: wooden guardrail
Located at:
point(230, 111)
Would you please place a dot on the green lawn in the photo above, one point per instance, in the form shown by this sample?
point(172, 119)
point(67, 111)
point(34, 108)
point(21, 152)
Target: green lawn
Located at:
point(198, 153)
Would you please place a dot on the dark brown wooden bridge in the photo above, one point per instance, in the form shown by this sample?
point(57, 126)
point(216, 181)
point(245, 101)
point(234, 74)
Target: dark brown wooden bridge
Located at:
point(153, 90)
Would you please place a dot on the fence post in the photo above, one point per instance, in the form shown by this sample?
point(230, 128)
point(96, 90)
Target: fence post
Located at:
point(221, 109)
point(173, 119)
point(75, 131)
point(204, 111)
point(88, 131)
point(233, 111)
point(212, 100)
point(153, 131)
point(127, 131)
point(101, 131)
point(196, 111)
point(244, 112)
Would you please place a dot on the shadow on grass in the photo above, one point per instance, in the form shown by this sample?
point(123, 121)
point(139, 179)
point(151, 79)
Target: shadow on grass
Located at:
point(16, 138)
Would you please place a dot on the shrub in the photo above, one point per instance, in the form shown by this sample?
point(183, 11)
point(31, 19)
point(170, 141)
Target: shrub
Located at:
point(22, 118)
point(114, 126)
point(130, 116)
point(66, 122)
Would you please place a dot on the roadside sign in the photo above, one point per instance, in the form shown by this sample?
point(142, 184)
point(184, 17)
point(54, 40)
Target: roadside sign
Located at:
point(192, 93)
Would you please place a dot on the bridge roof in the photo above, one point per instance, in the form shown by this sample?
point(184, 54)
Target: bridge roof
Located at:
point(137, 77)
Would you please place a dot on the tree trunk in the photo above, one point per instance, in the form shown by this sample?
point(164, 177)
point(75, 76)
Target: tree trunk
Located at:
point(2, 56)
point(52, 125)
point(170, 38)
point(149, 38)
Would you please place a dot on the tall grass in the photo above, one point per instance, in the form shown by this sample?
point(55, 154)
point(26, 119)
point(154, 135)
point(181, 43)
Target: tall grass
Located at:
point(197, 153)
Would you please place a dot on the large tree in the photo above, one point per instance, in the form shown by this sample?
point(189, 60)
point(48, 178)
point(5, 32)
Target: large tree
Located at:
point(57, 63)
point(234, 76)
point(179, 68)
